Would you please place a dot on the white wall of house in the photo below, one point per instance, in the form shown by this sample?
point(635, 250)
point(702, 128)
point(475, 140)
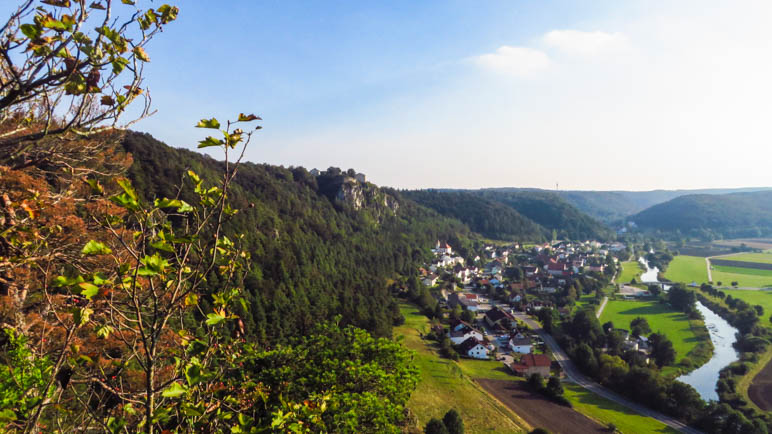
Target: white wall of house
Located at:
point(478, 352)
point(522, 349)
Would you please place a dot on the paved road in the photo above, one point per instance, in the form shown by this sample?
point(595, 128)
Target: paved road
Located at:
point(573, 374)
point(601, 307)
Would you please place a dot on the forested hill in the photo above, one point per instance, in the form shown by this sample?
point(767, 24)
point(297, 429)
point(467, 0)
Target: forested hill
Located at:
point(551, 212)
point(728, 215)
point(317, 252)
point(487, 217)
point(614, 206)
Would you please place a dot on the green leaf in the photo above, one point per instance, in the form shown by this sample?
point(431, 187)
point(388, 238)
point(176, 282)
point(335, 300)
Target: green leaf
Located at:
point(214, 319)
point(100, 279)
point(62, 281)
point(95, 248)
point(153, 265)
point(81, 316)
point(104, 331)
point(174, 390)
point(208, 123)
point(119, 63)
point(194, 176)
point(31, 31)
point(162, 245)
point(127, 187)
point(209, 141)
point(96, 187)
point(167, 203)
point(191, 299)
point(248, 118)
point(88, 289)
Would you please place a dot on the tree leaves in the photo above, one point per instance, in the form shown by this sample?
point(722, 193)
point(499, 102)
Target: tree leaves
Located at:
point(248, 118)
point(208, 123)
point(140, 53)
point(89, 290)
point(209, 141)
point(94, 247)
point(174, 390)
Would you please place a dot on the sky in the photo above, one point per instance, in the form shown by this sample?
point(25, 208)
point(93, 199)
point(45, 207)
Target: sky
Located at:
point(601, 95)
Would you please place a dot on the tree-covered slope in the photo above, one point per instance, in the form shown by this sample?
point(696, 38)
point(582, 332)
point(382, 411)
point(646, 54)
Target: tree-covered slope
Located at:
point(728, 215)
point(550, 211)
point(315, 254)
point(487, 217)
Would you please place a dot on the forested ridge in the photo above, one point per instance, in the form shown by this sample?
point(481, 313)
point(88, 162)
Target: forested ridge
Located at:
point(487, 217)
point(313, 256)
point(512, 214)
point(711, 216)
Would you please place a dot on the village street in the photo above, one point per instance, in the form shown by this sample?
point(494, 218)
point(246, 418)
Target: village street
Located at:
point(573, 375)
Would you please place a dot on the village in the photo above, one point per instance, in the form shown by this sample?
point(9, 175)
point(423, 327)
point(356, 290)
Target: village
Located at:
point(491, 297)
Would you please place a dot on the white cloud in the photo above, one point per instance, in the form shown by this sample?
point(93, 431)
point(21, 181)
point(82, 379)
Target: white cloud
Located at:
point(518, 61)
point(577, 42)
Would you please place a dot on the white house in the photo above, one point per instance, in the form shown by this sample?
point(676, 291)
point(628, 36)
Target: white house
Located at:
point(463, 332)
point(520, 345)
point(474, 348)
point(430, 280)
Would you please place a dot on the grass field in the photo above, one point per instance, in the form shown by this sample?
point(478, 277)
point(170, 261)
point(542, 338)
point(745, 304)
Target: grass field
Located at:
point(687, 269)
point(745, 277)
point(764, 258)
point(446, 384)
point(630, 270)
point(763, 298)
point(605, 411)
point(675, 325)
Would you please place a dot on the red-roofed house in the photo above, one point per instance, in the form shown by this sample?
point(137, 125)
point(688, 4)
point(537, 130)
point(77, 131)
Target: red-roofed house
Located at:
point(531, 364)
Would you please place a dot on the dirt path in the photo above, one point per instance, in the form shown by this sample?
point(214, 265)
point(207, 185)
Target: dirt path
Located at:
point(538, 411)
point(707, 263)
point(601, 307)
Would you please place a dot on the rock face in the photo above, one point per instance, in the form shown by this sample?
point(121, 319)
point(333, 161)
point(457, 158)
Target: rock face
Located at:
point(348, 192)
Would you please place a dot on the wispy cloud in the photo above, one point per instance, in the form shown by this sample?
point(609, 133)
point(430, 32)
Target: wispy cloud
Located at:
point(518, 61)
point(577, 42)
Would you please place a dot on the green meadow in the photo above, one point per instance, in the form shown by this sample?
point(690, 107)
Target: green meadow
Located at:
point(687, 269)
point(675, 325)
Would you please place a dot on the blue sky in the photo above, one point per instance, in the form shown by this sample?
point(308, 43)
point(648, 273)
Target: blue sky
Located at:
point(638, 94)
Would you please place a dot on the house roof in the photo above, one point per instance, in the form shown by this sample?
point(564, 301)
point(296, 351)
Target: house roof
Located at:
point(468, 344)
point(496, 315)
point(532, 360)
point(520, 341)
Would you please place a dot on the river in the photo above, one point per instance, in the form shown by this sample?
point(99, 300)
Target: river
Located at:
point(722, 334)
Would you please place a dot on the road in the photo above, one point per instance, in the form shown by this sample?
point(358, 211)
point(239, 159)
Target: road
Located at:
point(601, 307)
point(573, 375)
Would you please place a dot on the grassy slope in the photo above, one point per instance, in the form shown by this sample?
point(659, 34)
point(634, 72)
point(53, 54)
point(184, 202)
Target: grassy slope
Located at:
point(630, 270)
point(444, 385)
point(687, 269)
point(626, 420)
point(675, 325)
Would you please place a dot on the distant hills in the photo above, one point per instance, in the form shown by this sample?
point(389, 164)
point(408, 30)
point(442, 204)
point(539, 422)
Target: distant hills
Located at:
point(734, 215)
point(533, 213)
point(616, 205)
